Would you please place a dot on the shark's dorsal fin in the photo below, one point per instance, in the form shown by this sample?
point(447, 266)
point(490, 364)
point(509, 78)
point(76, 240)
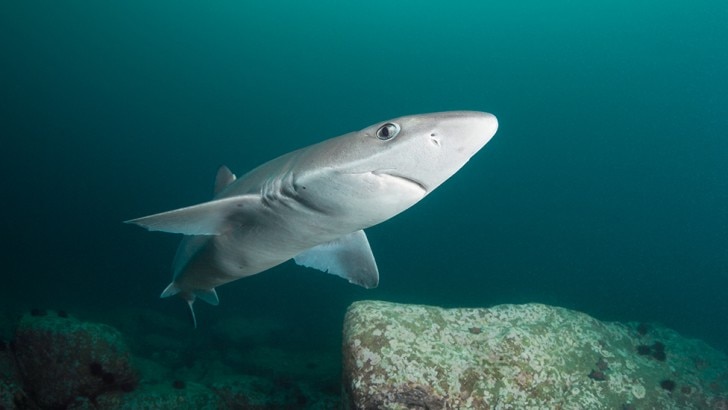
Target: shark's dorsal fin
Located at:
point(209, 218)
point(224, 178)
point(349, 257)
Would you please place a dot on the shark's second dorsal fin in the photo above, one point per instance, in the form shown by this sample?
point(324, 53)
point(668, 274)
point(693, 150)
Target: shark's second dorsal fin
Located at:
point(209, 218)
point(224, 178)
point(349, 257)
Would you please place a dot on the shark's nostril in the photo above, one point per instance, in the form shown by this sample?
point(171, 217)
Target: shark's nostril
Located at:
point(435, 139)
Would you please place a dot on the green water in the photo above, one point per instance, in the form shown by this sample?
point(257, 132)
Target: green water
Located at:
point(604, 190)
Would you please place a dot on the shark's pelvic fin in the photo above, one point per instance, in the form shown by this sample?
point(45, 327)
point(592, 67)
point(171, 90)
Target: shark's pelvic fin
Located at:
point(349, 257)
point(209, 218)
point(224, 178)
point(209, 296)
point(170, 290)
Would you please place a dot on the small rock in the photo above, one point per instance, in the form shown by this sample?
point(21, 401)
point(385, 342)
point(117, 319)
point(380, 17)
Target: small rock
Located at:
point(63, 358)
point(667, 384)
point(597, 375)
point(644, 350)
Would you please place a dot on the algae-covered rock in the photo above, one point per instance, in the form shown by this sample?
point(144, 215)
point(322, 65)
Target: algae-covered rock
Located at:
point(61, 358)
point(521, 356)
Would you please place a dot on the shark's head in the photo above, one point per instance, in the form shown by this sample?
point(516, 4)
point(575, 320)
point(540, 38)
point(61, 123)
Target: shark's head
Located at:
point(375, 173)
point(427, 149)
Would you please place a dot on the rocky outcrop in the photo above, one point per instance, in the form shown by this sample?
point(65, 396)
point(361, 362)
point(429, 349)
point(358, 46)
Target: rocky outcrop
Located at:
point(57, 361)
point(61, 358)
point(521, 356)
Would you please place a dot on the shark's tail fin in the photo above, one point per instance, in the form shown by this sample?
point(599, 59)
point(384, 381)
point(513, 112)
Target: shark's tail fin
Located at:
point(208, 295)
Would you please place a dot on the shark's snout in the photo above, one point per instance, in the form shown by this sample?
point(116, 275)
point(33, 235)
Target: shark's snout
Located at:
point(468, 130)
point(488, 125)
point(482, 124)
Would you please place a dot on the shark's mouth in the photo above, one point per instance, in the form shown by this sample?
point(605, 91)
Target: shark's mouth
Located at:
point(402, 178)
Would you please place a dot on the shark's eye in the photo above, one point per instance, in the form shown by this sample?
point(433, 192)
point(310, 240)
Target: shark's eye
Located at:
point(388, 131)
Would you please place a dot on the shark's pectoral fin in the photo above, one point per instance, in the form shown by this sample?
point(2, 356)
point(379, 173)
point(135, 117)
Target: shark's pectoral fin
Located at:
point(349, 257)
point(209, 218)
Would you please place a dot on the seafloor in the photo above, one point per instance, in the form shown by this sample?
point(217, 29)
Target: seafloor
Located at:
point(395, 356)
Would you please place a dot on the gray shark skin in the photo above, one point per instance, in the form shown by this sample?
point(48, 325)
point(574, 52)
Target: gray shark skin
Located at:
point(312, 204)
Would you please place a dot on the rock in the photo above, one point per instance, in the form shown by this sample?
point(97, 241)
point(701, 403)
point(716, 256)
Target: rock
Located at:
point(61, 358)
point(519, 356)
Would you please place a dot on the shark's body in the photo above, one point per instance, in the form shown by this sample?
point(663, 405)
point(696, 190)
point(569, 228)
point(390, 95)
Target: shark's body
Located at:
point(312, 204)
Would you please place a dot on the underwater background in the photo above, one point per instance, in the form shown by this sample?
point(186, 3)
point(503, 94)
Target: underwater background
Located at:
point(605, 189)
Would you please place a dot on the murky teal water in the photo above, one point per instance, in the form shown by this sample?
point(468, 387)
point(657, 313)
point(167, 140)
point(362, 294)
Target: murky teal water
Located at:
point(605, 189)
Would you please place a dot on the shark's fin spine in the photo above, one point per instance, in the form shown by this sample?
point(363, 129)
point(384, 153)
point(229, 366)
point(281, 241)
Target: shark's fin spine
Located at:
point(223, 178)
point(190, 303)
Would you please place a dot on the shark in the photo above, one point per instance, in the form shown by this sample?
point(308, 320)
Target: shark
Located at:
point(313, 204)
